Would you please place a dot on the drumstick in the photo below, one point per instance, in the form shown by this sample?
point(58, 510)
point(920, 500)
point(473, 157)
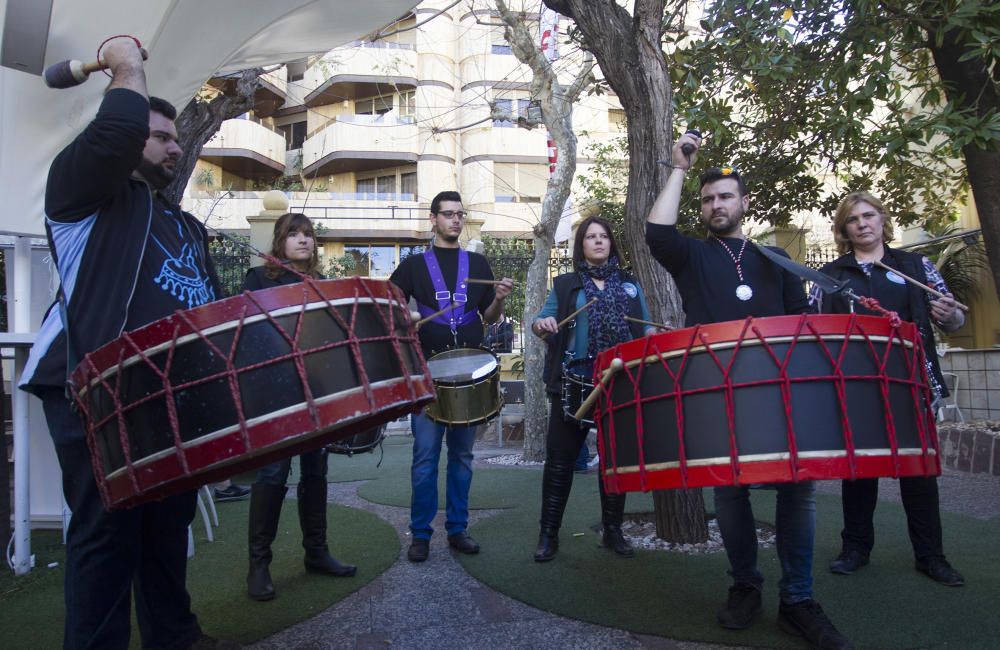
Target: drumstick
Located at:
point(616, 365)
point(478, 281)
point(648, 322)
point(930, 290)
point(434, 315)
point(559, 325)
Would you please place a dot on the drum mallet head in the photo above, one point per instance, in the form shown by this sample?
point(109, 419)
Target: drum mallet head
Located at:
point(616, 364)
point(415, 316)
point(69, 73)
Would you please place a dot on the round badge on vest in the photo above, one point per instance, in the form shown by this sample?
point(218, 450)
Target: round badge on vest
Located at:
point(892, 277)
point(630, 289)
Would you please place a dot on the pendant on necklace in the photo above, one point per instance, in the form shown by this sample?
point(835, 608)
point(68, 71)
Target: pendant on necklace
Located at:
point(744, 292)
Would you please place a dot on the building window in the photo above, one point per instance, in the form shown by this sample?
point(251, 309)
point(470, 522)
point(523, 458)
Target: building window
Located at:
point(295, 134)
point(406, 251)
point(616, 119)
point(514, 107)
point(373, 260)
point(408, 186)
point(408, 106)
point(520, 182)
point(386, 184)
point(499, 44)
point(365, 186)
point(297, 70)
point(373, 106)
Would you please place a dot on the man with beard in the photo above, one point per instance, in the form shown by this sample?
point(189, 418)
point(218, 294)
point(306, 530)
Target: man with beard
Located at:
point(723, 278)
point(436, 279)
point(125, 257)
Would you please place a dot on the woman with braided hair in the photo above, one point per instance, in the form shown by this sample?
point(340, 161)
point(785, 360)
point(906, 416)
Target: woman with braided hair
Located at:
point(596, 276)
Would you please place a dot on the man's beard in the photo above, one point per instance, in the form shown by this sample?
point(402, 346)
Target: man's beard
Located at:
point(731, 226)
point(451, 239)
point(155, 174)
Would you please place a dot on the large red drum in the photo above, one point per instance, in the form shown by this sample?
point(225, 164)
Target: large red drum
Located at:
point(236, 384)
point(766, 400)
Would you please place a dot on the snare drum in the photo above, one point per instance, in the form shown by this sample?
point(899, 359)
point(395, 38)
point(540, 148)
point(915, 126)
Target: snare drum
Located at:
point(236, 384)
point(578, 382)
point(359, 443)
point(467, 384)
point(786, 398)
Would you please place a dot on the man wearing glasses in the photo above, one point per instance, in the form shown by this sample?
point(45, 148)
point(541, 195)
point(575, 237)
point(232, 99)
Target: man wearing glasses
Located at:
point(436, 279)
point(722, 278)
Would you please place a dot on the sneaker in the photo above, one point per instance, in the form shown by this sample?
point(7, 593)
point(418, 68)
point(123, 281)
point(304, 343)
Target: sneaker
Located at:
point(848, 562)
point(419, 550)
point(463, 543)
point(742, 606)
point(939, 570)
point(806, 619)
point(232, 493)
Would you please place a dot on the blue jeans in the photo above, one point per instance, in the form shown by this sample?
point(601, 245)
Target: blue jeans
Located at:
point(427, 437)
point(795, 522)
point(312, 464)
point(111, 555)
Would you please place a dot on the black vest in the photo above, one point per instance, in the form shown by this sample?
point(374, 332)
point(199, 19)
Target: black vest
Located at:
point(566, 287)
point(909, 301)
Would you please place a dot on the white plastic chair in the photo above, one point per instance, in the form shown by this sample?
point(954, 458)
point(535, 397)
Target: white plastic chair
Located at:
point(204, 496)
point(950, 402)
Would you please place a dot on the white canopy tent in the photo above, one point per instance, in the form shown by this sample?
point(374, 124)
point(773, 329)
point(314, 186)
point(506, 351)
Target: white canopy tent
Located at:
point(188, 41)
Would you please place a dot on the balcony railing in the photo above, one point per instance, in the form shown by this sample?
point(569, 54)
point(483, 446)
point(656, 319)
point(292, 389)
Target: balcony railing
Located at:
point(386, 45)
point(387, 137)
point(369, 196)
point(249, 135)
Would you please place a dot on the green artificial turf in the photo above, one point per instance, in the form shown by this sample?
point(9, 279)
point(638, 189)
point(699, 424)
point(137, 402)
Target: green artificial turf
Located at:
point(392, 458)
point(886, 605)
point(31, 607)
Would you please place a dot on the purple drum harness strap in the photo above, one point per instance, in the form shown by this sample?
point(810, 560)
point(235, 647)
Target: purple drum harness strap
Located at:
point(444, 297)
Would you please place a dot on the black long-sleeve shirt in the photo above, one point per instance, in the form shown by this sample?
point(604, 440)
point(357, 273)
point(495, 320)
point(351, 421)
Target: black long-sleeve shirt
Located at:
point(707, 278)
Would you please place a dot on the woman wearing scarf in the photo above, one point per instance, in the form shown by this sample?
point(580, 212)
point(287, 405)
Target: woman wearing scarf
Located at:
point(601, 326)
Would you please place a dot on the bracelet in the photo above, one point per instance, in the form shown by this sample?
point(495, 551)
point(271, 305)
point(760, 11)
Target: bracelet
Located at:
point(111, 38)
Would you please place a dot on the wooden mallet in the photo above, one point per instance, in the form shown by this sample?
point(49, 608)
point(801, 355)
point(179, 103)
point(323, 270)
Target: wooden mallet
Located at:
point(616, 365)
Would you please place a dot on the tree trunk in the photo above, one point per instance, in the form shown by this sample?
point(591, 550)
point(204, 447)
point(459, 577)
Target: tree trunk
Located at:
point(200, 120)
point(969, 86)
point(557, 115)
point(628, 49)
point(680, 516)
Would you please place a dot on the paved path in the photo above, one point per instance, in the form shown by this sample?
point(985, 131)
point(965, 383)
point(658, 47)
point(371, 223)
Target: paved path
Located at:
point(438, 605)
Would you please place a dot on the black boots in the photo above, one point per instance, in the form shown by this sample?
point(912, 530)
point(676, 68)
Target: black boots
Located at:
point(612, 513)
point(265, 509)
point(312, 517)
point(557, 479)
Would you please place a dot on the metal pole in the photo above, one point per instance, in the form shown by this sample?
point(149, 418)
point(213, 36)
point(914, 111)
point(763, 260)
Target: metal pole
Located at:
point(21, 321)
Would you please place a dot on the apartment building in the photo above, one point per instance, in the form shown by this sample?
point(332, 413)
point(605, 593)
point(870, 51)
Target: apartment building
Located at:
point(365, 136)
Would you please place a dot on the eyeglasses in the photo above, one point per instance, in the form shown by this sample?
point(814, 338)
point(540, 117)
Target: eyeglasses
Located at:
point(448, 214)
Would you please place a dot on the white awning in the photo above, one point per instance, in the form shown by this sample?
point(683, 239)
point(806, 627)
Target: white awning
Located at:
point(188, 41)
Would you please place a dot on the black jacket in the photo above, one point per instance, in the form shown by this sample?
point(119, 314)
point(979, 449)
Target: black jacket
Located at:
point(909, 301)
point(257, 279)
point(97, 220)
point(567, 286)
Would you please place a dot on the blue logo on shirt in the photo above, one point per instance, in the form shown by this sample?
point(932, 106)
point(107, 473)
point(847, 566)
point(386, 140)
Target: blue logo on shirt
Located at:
point(630, 289)
point(181, 277)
